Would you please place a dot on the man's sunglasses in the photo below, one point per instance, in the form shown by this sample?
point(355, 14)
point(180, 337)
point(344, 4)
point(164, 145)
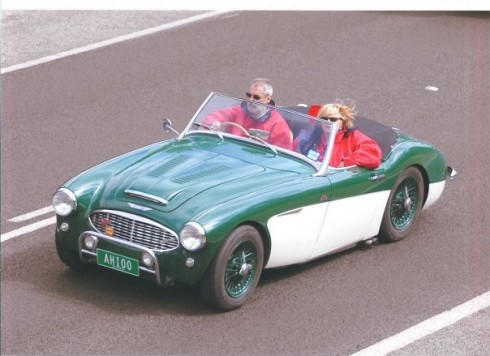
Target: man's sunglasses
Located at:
point(254, 96)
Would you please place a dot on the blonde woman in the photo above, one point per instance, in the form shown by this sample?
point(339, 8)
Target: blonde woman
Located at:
point(351, 146)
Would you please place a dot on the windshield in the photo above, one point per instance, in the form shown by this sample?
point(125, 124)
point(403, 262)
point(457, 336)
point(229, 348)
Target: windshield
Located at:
point(286, 129)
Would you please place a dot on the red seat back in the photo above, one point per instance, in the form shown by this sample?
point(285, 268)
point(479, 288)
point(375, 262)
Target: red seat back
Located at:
point(314, 109)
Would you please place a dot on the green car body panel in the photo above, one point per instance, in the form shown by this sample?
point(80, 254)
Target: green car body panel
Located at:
point(226, 198)
point(220, 184)
point(251, 195)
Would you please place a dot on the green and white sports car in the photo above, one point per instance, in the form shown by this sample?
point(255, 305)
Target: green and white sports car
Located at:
point(216, 208)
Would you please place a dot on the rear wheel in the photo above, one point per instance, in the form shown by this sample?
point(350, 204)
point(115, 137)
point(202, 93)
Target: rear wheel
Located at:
point(404, 206)
point(235, 272)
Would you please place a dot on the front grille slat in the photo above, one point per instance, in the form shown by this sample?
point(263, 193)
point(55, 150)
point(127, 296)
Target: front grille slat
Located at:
point(135, 229)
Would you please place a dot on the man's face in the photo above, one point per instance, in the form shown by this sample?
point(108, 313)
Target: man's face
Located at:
point(256, 93)
point(257, 97)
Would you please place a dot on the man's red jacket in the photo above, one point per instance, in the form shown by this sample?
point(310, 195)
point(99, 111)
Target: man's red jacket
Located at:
point(276, 127)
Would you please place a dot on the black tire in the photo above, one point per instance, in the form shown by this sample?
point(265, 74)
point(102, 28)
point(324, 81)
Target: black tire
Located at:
point(235, 271)
point(70, 258)
point(403, 207)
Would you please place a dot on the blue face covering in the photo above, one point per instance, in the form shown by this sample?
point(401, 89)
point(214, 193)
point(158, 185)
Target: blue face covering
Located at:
point(258, 112)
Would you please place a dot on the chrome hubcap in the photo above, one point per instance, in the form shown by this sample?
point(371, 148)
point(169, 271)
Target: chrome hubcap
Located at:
point(408, 201)
point(245, 269)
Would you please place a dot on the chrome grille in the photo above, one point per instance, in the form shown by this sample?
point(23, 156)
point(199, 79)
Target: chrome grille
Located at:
point(135, 229)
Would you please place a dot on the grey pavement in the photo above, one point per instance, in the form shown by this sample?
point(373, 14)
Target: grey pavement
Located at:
point(30, 35)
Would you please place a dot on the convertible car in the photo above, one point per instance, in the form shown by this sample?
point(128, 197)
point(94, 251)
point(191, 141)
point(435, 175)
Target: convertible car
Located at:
point(216, 206)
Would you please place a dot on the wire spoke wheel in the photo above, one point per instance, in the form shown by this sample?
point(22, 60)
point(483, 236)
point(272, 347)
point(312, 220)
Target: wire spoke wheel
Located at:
point(235, 271)
point(404, 206)
point(404, 203)
point(240, 269)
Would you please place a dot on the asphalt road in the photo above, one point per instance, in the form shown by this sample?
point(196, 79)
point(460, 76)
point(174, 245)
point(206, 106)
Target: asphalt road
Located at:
point(62, 117)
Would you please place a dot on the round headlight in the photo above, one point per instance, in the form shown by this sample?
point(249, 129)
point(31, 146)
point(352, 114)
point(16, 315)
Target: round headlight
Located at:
point(64, 202)
point(193, 236)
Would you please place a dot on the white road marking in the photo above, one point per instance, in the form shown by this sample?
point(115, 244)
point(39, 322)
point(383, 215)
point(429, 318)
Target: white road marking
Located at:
point(32, 214)
point(112, 41)
point(28, 228)
point(52, 220)
point(431, 88)
point(427, 327)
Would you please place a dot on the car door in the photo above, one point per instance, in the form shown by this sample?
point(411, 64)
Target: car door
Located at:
point(356, 205)
point(294, 232)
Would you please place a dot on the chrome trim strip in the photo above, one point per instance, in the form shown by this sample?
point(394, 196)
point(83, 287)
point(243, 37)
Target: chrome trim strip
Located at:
point(146, 196)
point(82, 251)
point(291, 212)
point(198, 111)
point(139, 207)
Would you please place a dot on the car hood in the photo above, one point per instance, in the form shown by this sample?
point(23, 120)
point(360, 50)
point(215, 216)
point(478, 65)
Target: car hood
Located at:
point(166, 179)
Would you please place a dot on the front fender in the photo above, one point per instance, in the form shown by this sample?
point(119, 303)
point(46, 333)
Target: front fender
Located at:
point(257, 208)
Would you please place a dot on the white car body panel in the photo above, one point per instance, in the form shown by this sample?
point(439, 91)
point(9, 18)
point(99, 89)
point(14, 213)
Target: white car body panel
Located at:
point(435, 192)
point(307, 233)
point(351, 220)
point(294, 234)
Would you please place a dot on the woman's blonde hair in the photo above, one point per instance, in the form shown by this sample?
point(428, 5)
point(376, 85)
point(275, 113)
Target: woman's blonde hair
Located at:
point(341, 110)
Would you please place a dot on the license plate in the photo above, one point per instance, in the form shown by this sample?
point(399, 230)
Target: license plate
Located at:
point(118, 262)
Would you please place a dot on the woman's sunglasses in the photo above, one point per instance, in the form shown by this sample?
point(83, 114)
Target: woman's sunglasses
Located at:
point(331, 119)
point(254, 96)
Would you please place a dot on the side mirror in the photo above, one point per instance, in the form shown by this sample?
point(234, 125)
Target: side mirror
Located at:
point(167, 126)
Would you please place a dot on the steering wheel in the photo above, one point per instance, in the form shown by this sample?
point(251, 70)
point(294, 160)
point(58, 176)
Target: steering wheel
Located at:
point(247, 134)
point(240, 127)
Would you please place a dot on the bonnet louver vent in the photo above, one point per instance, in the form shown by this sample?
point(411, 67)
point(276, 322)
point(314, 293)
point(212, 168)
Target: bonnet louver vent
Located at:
point(159, 170)
point(200, 175)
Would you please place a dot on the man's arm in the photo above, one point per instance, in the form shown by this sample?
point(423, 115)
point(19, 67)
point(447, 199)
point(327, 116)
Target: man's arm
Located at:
point(221, 115)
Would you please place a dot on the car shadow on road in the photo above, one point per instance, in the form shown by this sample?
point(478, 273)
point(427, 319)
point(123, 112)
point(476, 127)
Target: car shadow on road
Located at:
point(114, 292)
point(118, 293)
point(271, 276)
point(274, 275)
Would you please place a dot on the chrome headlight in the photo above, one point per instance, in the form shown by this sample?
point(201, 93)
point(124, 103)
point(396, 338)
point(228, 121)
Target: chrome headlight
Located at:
point(193, 236)
point(64, 202)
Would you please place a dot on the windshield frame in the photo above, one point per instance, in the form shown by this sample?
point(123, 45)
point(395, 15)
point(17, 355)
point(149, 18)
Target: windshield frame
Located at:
point(321, 168)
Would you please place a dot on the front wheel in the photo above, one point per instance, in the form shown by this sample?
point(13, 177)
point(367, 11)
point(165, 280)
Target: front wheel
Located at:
point(235, 272)
point(403, 207)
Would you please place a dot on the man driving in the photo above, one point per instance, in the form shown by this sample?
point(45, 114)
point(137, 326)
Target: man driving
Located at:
point(255, 116)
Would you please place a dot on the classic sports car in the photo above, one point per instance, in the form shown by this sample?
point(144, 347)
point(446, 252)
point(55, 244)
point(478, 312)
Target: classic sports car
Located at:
point(216, 207)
